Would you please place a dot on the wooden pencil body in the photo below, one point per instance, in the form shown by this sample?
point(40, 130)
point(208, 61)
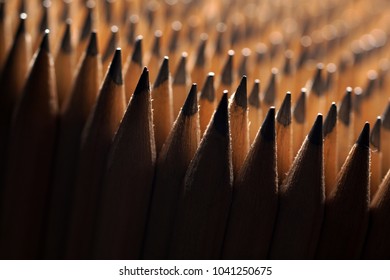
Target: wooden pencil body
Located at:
point(96, 140)
point(30, 155)
point(128, 182)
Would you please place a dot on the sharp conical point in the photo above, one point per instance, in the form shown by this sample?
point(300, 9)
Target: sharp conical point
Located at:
point(190, 106)
point(270, 92)
point(92, 48)
point(315, 134)
point(375, 136)
point(156, 44)
point(180, 75)
point(364, 137)
point(163, 73)
point(284, 113)
point(267, 129)
point(345, 107)
point(227, 71)
point(115, 71)
point(221, 118)
point(87, 27)
point(208, 90)
point(22, 24)
point(240, 97)
point(254, 99)
point(200, 55)
point(317, 87)
point(143, 83)
point(300, 108)
point(66, 44)
point(45, 41)
point(386, 117)
point(330, 120)
point(137, 53)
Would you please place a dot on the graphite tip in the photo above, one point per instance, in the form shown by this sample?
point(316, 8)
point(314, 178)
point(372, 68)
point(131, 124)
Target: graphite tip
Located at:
point(364, 138)
point(315, 134)
point(163, 73)
point(115, 71)
point(330, 120)
point(190, 106)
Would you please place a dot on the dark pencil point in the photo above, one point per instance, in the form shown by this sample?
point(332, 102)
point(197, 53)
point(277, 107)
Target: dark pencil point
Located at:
point(254, 99)
point(240, 97)
point(163, 73)
point(143, 84)
point(92, 49)
point(190, 106)
point(371, 83)
point(45, 41)
point(221, 118)
point(157, 42)
point(66, 44)
point(299, 112)
point(137, 53)
point(315, 134)
point(176, 27)
point(375, 137)
point(111, 46)
point(330, 120)
point(270, 92)
point(345, 107)
point(87, 26)
point(22, 24)
point(386, 117)
point(201, 53)
point(227, 71)
point(268, 128)
point(180, 75)
point(287, 69)
point(318, 86)
point(357, 100)
point(208, 90)
point(115, 71)
point(364, 137)
point(284, 113)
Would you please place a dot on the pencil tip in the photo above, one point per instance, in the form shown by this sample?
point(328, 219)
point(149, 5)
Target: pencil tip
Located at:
point(330, 120)
point(300, 108)
point(375, 137)
point(208, 91)
point(88, 23)
point(180, 75)
point(364, 138)
point(115, 71)
point(201, 53)
point(287, 69)
point(92, 48)
point(137, 53)
point(386, 117)
point(284, 113)
point(227, 71)
point(253, 98)
point(270, 92)
point(221, 118)
point(240, 97)
point(143, 84)
point(45, 41)
point(315, 134)
point(112, 43)
point(268, 127)
point(157, 41)
point(317, 86)
point(345, 107)
point(22, 24)
point(66, 44)
point(163, 73)
point(190, 106)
